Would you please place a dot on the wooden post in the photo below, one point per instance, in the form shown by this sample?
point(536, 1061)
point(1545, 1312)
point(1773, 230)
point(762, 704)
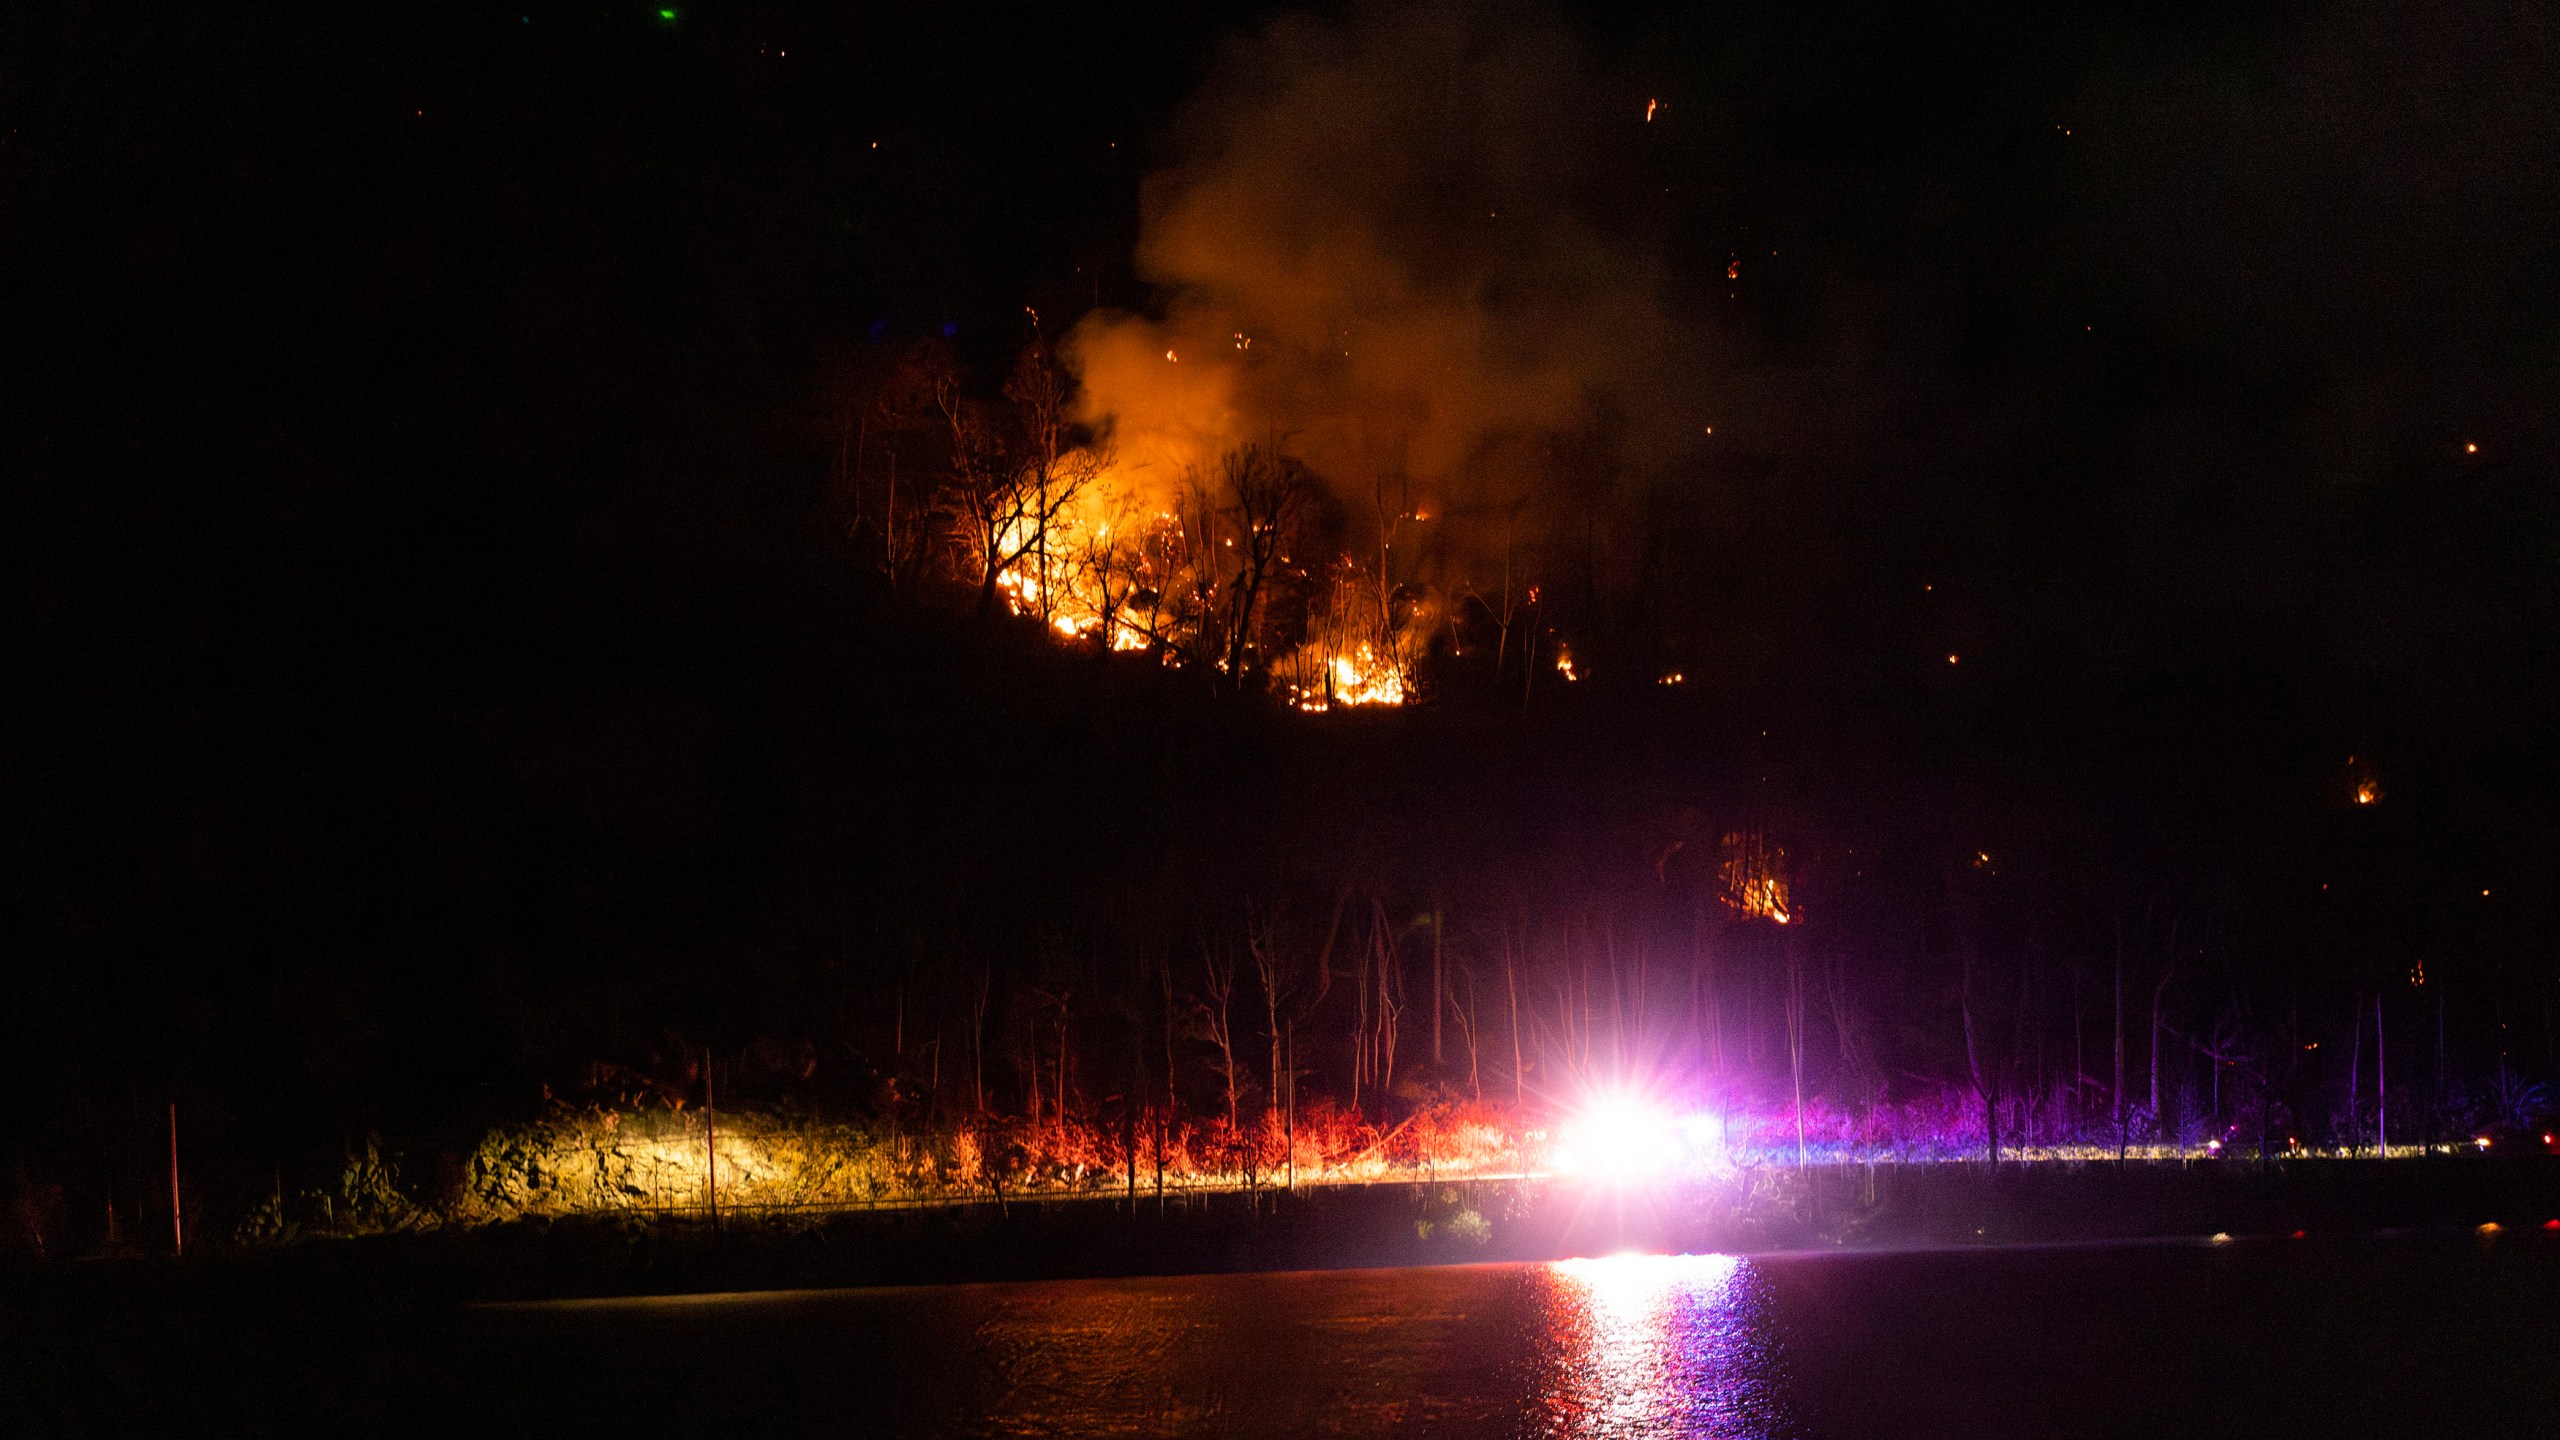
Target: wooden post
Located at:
point(710, 1137)
point(177, 1225)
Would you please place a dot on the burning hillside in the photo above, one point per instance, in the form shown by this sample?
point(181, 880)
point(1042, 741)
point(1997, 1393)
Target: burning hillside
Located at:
point(1396, 372)
point(1217, 572)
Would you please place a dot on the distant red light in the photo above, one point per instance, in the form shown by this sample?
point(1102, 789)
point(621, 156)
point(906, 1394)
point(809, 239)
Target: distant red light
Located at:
point(2298, 1234)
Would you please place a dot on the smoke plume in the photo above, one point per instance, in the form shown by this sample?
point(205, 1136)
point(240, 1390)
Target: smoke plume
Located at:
point(1394, 246)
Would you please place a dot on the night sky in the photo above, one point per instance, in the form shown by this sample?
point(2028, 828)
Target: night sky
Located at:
point(431, 630)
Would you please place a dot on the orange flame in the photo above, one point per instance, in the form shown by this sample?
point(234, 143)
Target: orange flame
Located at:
point(1754, 873)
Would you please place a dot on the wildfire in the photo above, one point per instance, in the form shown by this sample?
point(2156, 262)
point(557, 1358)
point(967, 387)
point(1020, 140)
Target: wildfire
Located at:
point(1085, 576)
point(1358, 678)
point(1106, 569)
point(1564, 663)
point(1754, 873)
point(1354, 654)
point(1766, 897)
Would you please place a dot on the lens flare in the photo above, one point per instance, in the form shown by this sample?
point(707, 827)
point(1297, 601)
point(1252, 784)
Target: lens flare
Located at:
point(1620, 1138)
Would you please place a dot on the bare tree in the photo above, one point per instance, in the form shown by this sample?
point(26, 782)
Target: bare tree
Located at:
point(1111, 561)
point(978, 1040)
point(1390, 996)
point(912, 430)
point(1058, 1001)
point(1466, 1012)
point(1245, 509)
point(1216, 1009)
point(1270, 967)
point(1006, 484)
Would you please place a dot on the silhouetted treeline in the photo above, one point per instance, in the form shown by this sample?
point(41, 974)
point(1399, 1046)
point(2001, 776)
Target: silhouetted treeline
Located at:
point(971, 872)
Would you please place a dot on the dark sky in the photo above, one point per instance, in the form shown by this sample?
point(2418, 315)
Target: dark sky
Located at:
point(479, 346)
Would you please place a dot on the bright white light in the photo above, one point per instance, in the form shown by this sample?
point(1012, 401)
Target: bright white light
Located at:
point(1620, 1138)
point(1705, 1134)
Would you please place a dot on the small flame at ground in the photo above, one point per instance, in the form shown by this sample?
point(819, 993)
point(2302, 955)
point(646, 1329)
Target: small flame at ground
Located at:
point(1358, 678)
point(1754, 872)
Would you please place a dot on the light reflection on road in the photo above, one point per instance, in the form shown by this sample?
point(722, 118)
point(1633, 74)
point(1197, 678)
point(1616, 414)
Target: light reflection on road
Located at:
point(1659, 1345)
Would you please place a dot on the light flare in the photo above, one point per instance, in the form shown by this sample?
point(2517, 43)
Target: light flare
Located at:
point(1621, 1138)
